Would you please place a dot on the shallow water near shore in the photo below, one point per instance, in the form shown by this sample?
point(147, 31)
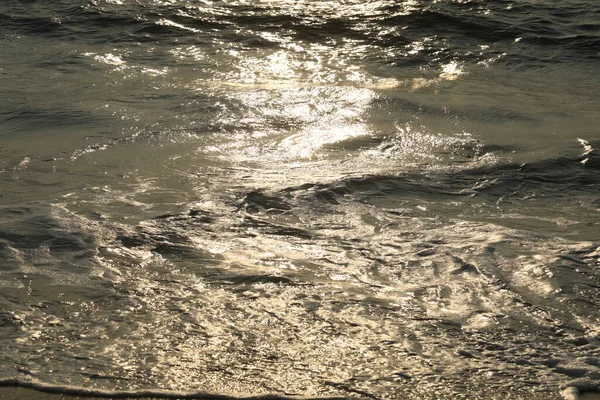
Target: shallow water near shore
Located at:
point(14, 393)
point(395, 200)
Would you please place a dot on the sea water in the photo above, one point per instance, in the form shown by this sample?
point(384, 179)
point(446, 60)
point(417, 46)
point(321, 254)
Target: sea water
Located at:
point(358, 199)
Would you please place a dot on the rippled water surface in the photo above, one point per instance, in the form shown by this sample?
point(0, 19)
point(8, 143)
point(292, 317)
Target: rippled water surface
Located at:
point(355, 199)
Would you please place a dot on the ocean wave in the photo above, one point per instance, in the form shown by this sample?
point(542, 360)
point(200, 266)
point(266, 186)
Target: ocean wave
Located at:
point(458, 29)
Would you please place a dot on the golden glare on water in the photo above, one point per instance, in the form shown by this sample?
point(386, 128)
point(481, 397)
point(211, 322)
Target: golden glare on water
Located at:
point(290, 102)
point(291, 198)
point(321, 91)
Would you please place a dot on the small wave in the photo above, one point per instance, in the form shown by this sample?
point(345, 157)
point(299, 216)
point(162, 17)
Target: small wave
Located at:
point(556, 176)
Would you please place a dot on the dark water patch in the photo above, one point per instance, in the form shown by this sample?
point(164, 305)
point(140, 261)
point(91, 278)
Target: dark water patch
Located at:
point(273, 228)
point(371, 187)
point(29, 120)
point(257, 19)
point(195, 214)
point(242, 282)
point(560, 177)
point(585, 45)
point(256, 202)
point(181, 251)
point(17, 211)
point(8, 319)
point(88, 23)
point(43, 242)
point(33, 234)
point(62, 63)
point(438, 22)
point(161, 30)
point(200, 219)
point(458, 29)
point(30, 25)
point(67, 243)
point(333, 29)
point(473, 112)
point(172, 237)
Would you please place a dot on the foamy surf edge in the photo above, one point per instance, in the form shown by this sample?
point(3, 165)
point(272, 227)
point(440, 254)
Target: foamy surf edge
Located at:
point(148, 393)
point(572, 392)
point(581, 392)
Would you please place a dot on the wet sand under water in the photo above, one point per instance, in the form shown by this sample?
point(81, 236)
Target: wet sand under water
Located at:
point(21, 393)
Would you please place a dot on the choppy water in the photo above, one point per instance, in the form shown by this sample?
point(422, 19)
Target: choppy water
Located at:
point(382, 199)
